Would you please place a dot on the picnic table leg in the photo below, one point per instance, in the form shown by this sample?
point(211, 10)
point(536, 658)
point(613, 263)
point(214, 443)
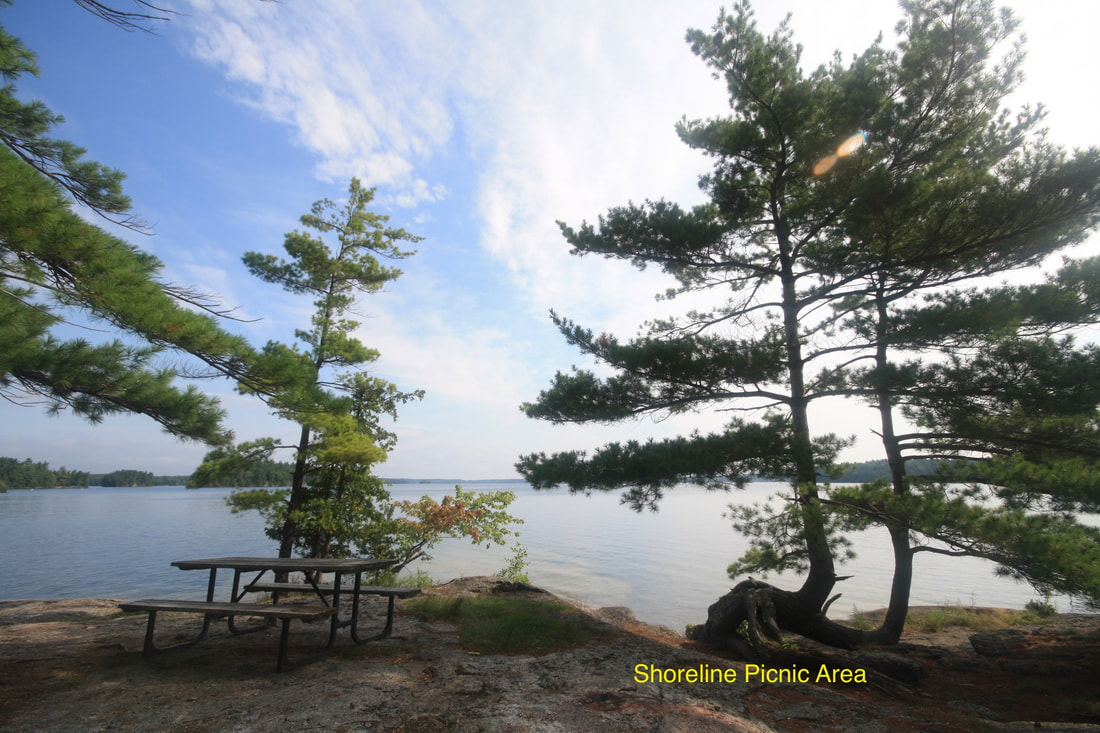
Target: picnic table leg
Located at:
point(355, 608)
point(335, 624)
point(284, 636)
point(236, 596)
point(151, 648)
point(386, 631)
point(210, 585)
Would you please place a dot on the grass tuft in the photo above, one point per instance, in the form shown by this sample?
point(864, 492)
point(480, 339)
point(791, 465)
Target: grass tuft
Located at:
point(418, 579)
point(511, 625)
point(978, 619)
point(937, 618)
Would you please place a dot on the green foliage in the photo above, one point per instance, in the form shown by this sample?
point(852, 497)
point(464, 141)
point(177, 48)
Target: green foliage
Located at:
point(421, 525)
point(775, 531)
point(23, 129)
point(843, 271)
point(979, 619)
point(719, 461)
point(417, 579)
point(51, 260)
point(516, 569)
point(26, 474)
point(859, 620)
point(335, 505)
point(512, 625)
point(1042, 609)
point(259, 473)
point(1052, 551)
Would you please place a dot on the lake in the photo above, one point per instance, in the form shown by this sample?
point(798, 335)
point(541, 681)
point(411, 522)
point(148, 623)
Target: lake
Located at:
point(667, 566)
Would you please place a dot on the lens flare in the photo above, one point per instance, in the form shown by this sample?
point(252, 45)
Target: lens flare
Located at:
point(852, 144)
point(849, 146)
point(824, 165)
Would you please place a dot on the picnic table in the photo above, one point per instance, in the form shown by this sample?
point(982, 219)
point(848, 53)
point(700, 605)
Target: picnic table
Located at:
point(329, 596)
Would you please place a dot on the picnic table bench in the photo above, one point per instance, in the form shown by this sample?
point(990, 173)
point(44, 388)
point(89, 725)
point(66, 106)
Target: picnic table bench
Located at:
point(328, 593)
point(392, 593)
point(214, 609)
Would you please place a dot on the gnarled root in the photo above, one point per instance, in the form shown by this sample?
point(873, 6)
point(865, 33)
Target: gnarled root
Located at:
point(742, 620)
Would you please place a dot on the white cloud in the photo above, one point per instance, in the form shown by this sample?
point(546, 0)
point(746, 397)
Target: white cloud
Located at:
point(564, 110)
point(570, 107)
point(583, 120)
point(434, 337)
point(342, 78)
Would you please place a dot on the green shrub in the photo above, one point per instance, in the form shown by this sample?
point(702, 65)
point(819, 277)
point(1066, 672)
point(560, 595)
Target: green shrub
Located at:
point(979, 619)
point(1042, 609)
point(511, 625)
point(419, 579)
point(516, 569)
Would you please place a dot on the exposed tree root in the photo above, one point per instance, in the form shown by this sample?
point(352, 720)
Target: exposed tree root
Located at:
point(749, 621)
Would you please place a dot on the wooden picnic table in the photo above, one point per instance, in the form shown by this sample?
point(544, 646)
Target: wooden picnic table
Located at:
point(329, 595)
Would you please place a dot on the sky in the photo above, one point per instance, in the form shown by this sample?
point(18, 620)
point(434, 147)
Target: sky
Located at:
point(481, 123)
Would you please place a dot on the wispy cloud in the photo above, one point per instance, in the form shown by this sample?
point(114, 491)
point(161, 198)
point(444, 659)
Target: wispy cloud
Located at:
point(341, 77)
point(567, 109)
point(587, 123)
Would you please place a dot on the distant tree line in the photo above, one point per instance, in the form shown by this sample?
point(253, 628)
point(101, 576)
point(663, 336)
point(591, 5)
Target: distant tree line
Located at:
point(259, 474)
point(124, 477)
point(133, 477)
point(868, 471)
point(26, 474)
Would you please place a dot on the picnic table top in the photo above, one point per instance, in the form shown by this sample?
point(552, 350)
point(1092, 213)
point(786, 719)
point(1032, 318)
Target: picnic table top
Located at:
point(288, 564)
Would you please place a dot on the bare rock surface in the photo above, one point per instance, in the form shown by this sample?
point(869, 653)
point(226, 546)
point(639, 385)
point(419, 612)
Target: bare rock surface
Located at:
point(77, 665)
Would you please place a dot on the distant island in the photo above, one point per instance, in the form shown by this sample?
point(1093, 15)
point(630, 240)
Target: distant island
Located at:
point(26, 474)
point(868, 471)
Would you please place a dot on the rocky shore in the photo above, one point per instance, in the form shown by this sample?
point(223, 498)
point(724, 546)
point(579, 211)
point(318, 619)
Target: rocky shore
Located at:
point(77, 665)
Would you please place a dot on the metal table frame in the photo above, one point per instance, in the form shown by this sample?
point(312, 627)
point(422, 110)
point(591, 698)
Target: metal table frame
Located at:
point(309, 566)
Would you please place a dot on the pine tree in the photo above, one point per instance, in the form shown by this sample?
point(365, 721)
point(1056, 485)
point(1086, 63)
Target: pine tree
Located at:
point(833, 194)
point(335, 505)
point(53, 260)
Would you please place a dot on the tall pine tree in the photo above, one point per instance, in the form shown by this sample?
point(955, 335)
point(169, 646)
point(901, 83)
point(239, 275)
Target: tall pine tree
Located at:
point(335, 505)
point(831, 192)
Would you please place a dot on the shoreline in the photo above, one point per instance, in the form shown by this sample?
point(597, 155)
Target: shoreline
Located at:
point(77, 662)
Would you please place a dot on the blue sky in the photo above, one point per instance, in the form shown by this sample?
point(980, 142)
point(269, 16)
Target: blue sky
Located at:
point(481, 123)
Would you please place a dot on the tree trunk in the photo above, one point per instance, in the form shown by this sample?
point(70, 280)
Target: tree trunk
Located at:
point(889, 632)
point(822, 575)
point(294, 501)
point(753, 612)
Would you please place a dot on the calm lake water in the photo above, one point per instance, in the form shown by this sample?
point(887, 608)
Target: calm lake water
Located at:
point(667, 566)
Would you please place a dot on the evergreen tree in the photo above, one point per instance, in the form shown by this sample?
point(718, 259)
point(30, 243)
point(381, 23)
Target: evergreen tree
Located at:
point(335, 504)
point(854, 186)
point(1011, 412)
point(52, 260)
